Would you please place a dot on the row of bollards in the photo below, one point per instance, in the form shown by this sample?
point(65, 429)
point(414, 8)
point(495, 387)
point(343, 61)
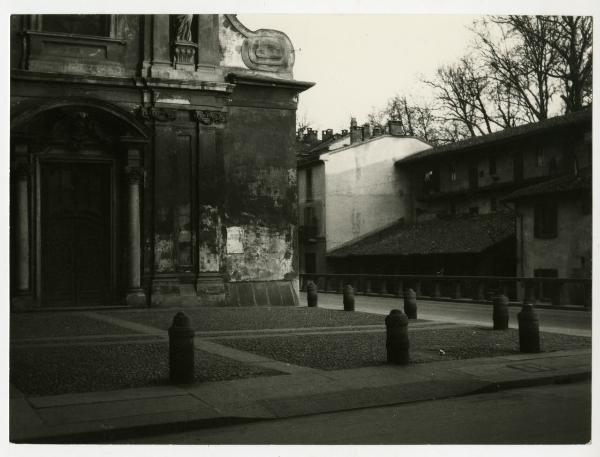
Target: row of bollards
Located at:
point(181, 332)
point(529, 326)
point(397, 344)
point(312, 298)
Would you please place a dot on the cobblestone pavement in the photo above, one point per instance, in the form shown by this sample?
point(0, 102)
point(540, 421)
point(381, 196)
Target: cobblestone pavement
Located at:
point(56, 353)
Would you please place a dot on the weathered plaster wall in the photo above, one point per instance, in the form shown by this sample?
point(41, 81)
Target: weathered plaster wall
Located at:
point(363, 189)
point(260, 195)
point(563, 253)
point(230, 42)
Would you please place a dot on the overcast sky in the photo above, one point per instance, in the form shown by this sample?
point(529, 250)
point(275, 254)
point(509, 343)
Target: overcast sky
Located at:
point(359, 61)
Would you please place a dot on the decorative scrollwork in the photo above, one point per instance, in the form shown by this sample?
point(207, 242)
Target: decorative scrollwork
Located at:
point(207, 117)
point(264, 49)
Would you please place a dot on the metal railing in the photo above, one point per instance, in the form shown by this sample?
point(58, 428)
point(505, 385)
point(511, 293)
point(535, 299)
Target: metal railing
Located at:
point(479, 289)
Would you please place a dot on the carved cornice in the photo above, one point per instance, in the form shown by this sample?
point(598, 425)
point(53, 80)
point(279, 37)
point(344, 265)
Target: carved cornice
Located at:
point(208, 117)
point(151, 113)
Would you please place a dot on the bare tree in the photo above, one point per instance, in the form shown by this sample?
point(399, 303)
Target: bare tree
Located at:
point(377, 119)
point(514, 74)
point(303, 123)
point(416, 118)
point(571, 38)
point(461, 91)
point(520, 59)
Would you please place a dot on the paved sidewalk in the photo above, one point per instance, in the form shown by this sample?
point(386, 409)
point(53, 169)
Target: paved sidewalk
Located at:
point(110, 415)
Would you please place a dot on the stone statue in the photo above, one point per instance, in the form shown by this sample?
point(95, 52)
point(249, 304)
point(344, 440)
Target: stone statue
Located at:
point(183, 27)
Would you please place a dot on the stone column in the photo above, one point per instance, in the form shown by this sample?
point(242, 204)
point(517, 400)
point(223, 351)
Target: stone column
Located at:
point(135, 295)
point(22, 172)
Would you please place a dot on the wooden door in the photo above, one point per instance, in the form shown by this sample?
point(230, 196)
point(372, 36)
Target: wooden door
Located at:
point(76, 234)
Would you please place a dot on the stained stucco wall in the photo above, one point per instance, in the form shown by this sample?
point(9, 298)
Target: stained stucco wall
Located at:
point(563, 253)
point(364, 191)
point(259, 219)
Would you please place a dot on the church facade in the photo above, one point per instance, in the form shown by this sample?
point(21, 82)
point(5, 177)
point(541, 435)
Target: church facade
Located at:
point(152, 162)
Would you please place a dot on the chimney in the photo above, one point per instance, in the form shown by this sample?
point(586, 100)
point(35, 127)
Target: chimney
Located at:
point(311, 136)
point(326, 134)
point(395, 128)
point(355, 135)
point(355, 132)
point(366, 131)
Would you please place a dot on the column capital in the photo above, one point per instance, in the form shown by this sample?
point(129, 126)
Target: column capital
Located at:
point(209, 117)
point(21, 169)
point(134, 174)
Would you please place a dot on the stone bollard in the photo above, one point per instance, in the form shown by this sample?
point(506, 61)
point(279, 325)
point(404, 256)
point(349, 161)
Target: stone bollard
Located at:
point(410, 304)
point(529, 329)
point(397, 337)
point(348, 298)
point(500, 314)
point(311, 294)
point(181, 350)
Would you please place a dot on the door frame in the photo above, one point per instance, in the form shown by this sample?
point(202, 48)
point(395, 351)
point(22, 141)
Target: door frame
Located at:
point(59, 155)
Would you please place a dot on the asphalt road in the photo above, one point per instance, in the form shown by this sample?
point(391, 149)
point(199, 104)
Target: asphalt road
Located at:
point(570, 322)
point(552, 414)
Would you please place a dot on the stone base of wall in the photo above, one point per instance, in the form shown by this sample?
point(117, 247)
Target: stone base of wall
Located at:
point(211, 291)
point(261, 293)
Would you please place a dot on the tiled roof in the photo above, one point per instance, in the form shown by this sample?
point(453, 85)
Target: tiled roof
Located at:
point(570, 119)
point(560, 184)
point(467, 234)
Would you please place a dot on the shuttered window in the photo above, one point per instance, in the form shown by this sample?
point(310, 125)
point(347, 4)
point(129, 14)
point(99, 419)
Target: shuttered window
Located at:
point(545, 219)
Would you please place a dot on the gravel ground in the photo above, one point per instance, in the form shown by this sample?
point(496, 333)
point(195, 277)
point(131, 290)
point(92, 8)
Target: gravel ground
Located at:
point(334, 352)
point(47, 325)
point(213, 318)
point(58, 370)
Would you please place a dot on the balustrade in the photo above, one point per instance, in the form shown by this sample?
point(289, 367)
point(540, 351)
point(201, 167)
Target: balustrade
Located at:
point(480, 289)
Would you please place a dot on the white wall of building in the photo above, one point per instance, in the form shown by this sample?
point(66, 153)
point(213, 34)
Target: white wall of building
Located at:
point(364, 191)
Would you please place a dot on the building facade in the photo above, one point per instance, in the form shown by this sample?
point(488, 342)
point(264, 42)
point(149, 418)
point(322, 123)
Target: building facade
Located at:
point(554, 226)
point(469, 217)
point(152, 161)
point(350, 188)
